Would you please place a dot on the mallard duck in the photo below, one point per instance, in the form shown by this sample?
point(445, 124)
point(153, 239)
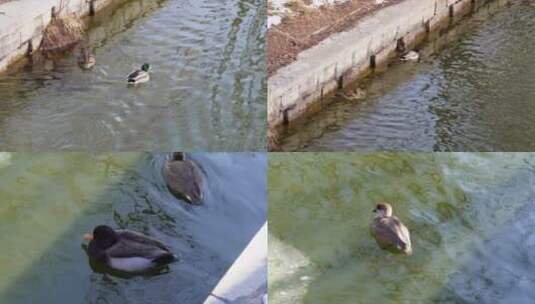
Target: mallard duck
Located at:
point(127, 251)
point(410, 56)
point(389, 231)
point(139, 76)
point(184, 178)
point(86, 60)
point(356, 94)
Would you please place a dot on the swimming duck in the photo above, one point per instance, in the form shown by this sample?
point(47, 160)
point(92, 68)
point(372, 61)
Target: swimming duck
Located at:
point(356, 94)
point(127, 251)
point(140, 75)
point(410, 56)
point(389, 231)
point(183, 177)
point(86, 60)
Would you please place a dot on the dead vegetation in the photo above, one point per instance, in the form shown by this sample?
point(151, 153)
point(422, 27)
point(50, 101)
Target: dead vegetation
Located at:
point(62, 32)
point(309, 25)
point(299, 6)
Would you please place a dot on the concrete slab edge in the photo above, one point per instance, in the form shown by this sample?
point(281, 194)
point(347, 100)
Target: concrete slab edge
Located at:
point(307, 85)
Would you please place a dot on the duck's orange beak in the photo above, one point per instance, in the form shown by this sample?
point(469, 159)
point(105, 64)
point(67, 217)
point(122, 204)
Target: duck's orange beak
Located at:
point(88, 237)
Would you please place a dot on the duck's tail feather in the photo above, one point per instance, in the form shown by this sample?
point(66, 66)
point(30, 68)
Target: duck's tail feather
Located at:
point(165, 259)
point(406, 249)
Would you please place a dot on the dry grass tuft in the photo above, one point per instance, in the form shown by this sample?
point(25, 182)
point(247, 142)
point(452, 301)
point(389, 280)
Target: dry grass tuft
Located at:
point(299, 6)
point(62, 33)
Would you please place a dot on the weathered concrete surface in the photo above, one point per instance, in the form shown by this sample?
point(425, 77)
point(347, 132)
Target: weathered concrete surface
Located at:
point(279, 9)
point(246, 280)
point(305, 85)
point(22, 24)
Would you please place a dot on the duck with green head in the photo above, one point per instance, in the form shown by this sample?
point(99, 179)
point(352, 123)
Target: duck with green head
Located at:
point(140, 75)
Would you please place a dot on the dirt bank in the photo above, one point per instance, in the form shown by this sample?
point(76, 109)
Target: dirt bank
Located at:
point(306, 26)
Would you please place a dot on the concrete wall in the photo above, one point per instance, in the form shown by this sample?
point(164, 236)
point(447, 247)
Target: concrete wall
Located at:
point(308, 83)
point(22, 23)
point(246, 279)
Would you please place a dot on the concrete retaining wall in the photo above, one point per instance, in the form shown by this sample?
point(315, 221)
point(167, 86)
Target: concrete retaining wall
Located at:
point(22, 24)
point(308, 83)
point(246, 280)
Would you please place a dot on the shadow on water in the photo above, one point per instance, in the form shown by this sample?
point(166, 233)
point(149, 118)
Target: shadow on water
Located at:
point(207, 238)
point(463, 211)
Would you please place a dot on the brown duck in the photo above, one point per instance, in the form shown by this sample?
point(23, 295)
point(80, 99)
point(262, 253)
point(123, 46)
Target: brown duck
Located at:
point(184, 178)
point(389, 231)
point(86, 59)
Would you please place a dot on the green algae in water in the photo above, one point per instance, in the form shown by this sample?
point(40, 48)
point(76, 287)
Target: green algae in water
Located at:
point(49, 200)
point(457, 206)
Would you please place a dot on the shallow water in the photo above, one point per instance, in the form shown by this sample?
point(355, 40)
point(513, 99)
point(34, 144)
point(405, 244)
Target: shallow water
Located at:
point(50, 200)
point(470, 215)
point(207, 90)
point(476, 95)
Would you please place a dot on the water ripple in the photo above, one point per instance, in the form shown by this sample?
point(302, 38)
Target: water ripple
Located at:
point(476, 95)
point(207, 90)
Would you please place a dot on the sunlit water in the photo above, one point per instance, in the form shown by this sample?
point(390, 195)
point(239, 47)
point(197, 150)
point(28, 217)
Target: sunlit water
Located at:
point(48, 201)
point(207, 88)
point(476, 95)
point(471, 219)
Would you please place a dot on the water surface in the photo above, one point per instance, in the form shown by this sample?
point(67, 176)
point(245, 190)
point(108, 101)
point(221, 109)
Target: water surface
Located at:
point(475, 95)
point(207, 89)
point(471, 219)
point(50, 200)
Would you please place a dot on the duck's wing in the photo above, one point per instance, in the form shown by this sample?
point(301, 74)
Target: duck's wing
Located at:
point(183, 178)
point(130, 249)
point(197, 178)
point(390, 232)
point(135, 237)
point(134, 74)
point(401, 230)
